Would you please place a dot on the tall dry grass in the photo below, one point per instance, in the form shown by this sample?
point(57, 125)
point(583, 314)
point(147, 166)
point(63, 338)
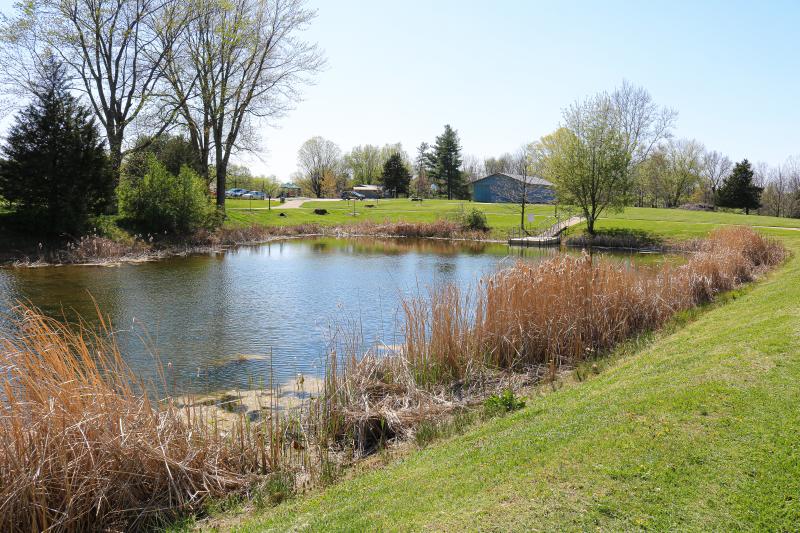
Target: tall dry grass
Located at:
point(83, 446)
point(564, 309)
point(519, 326)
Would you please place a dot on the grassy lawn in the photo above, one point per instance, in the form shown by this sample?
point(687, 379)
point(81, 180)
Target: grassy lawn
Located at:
point(695, 430)
point(681, 224)
point(500, 217)
point(670, 223)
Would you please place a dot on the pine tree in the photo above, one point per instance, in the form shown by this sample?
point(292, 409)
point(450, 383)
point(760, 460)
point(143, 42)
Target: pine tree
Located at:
point(55, 167)
point(446, 171)
point(738, 190)
point(396, 176)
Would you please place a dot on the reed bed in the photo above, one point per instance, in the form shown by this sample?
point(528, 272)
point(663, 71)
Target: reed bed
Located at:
point(565, 309)
point(83, 446)
point(520, 326)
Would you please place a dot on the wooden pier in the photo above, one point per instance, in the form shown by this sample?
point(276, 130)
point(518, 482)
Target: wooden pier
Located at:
point(549, 237)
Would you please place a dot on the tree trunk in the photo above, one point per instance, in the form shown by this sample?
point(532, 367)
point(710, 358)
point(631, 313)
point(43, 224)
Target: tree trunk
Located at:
point(222, 175)
point(115, 155)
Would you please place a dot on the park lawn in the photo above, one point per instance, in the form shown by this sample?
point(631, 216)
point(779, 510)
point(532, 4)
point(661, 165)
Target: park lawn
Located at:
point(695, 430)
point(501, 217)
point(701, 217)
point(673, 224)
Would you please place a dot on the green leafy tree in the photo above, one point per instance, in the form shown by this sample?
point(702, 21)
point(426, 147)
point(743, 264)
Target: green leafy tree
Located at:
point(161, 202)
point(396, 176)
point(173, 151)
point(587, 160)
point(446, 171)
point(54, 165)
point(738, 190)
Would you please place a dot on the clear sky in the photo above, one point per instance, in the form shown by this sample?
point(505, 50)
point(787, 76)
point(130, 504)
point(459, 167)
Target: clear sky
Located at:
point(501, 71)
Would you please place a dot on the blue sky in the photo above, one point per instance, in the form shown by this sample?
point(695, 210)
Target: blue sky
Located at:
point(500, 72)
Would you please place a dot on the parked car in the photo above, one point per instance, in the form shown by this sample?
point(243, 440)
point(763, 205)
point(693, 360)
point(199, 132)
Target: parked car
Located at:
point(352, 195)
point(254, 195)
point(235, 193)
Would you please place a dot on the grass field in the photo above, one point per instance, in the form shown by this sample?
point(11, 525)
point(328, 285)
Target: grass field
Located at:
point(501, 217)
point(669, 223)
point(694, 429)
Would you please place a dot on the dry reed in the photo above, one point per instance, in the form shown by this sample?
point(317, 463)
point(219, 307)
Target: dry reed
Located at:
point(564, 309)
point(522, 324)
point(83, 446)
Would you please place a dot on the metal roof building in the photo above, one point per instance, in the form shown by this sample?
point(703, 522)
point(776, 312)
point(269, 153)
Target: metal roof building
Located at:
point(504, 187)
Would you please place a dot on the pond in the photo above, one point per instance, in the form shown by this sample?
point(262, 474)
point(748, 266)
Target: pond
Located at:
point(217, 317)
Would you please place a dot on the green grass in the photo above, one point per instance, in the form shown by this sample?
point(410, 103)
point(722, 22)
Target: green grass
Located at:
point(676, 224)
point(679, 224)
point(695, 430)
point(501, 217)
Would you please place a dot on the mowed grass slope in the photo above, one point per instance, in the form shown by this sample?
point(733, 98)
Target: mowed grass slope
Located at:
point(700, 430)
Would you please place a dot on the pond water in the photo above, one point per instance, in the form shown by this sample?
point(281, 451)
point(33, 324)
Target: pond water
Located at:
point(217, 317)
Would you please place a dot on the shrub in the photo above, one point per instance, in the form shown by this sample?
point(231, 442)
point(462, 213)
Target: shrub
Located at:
point(161, 202)
point(503, 403)
point(475, 219)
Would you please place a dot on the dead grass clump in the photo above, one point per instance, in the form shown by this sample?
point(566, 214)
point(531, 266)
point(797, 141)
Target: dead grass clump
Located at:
point(562, 310)
point(84, 447)
point(370, 400)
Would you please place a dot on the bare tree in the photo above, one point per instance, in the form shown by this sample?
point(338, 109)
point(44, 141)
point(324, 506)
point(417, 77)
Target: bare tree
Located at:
point(715, 168)
point(792, 171)
point(248, 62)
point(642, 123)
point(684, 161)
point(116, 50)
point(516, 190)
point(499, 165)
point(317, 160)
point(472, 168)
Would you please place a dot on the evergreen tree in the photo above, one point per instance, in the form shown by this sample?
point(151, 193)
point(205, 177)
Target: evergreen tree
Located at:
point(396, 176)
point(55, 168)
point(738, 190)
point(446, 171)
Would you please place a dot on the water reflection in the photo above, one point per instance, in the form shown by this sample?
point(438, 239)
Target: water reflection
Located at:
point(216, 316)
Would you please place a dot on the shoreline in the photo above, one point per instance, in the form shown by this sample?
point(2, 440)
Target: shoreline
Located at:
point(159, 251)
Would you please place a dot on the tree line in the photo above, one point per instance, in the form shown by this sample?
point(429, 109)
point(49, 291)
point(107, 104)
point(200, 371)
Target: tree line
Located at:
point(436, 170)
point(207, 71)
point(617, 149)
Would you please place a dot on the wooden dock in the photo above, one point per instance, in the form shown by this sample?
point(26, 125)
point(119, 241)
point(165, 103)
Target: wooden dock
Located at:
point(549, 237)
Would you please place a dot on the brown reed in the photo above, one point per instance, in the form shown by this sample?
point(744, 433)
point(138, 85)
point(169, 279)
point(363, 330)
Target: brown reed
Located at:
point(561, 310)
point(83, 446)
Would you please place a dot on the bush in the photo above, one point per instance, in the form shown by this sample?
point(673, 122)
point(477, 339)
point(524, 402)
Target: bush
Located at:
point(475, 219)
point(161, 202)
point(503, 403)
